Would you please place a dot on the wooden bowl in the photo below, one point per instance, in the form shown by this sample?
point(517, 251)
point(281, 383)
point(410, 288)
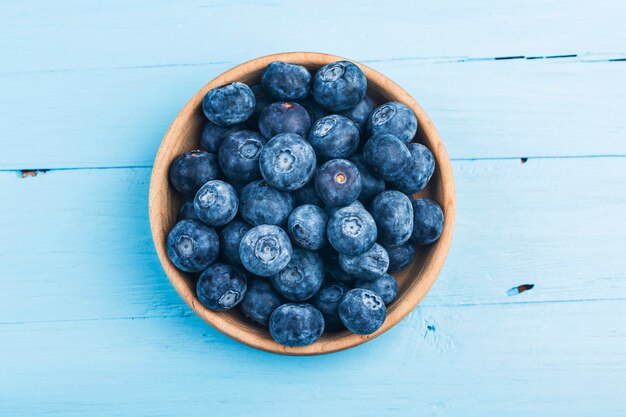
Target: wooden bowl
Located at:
point(164, 203)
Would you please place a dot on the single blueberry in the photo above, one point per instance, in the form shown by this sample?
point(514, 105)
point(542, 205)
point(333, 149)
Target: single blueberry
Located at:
point(316, 111)
point(284, 117)
point(387, 156)
point(262, 101)
point(393, 213)
point(216, 203)
point(362, 311)
point(339, 86)
point(230, 238)
point(287, 162)
point(190, 171)
point(334, 136)
point(265, 250)
point(395, 119)
point(213, 135)
point(229, 104)
point(327, 301)
point(239, 155)
point(286, 81)
point(427, 221)
point(385, 286)
point(351, 230)
point(260, 301)
point(400, 256)
point(371, 185)
point(419, 172)
point(302, 277)
point(366, 266)
point(308, 195)
point(187, 211)
point(221, 287)
point(296, 324)
point(338, 182)
point(262, 204)
point(192, 245)
point(360, 113)
point(307, 226)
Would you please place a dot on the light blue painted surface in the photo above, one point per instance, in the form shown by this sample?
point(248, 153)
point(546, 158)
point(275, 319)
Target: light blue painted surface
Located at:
point(89, 325)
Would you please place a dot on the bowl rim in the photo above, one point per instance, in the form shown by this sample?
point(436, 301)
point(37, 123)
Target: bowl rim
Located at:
point(413, 294)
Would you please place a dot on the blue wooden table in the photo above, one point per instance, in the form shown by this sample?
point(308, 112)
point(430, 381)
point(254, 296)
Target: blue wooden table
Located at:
point(530, 99)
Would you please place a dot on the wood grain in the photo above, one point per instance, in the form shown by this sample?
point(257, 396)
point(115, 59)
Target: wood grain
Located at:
point(164, 205)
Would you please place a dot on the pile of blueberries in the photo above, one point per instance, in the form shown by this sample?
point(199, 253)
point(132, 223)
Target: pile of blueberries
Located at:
point(301, 202)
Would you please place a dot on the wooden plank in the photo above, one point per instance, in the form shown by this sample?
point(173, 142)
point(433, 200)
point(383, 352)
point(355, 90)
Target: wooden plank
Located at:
point(494, 109)
point(78, 242)
point(70, 34)
point(514, 360)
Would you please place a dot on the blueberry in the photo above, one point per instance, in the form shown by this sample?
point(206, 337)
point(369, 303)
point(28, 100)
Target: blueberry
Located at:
point(229, 104)
point(262, 204)
point(327, 301)
point(371, 185)
point(284, 117)
point(230, 238)
point(427, 221)
point(239, 155)
point(339, 86)
point(360, 113)
point(366, 266)
point(316, 111)
point(419, 172)
point(334, 136)
point(385, 286)
point(387, 156)
point(192, 245)
point(338, 182)
point(400, 256)
point(351, 230)
point(265, 250)
point(296, 324)
point(190, 171)
point(393, 213)
point(302, 277)
point(221, 287)
point(262, 101)
point(287, 162)
point(362, 311)
point(395, 119)
point(216, 203)
point(308, 195)
point(307, 226)
point(187, 211)
point(260, 301)
point(213, 135)
point(286, 81)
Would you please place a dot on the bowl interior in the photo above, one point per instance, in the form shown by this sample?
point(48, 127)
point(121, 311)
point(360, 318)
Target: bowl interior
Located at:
point(414, 281)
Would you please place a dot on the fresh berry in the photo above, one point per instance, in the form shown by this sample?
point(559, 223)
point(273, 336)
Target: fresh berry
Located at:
point(387, 156)
point(221, 287)
point(371, 185)
point(307, 226)
point(400, 256)
point(334, 136)
point(302, 277)
point(216, 203)
point(239, 156)
point(338, 182)
point(190, 171)
point(427, 221)
point(385, 286)
point(230, 238)
point(419, 172)
point(260, 301)
point(369, 265)
point(284, 117)
point(229, 104)
point(213, 135)
point(192, 245)
point(287, 162)
point(327, 301)
point(262, 204)
point(395, 119)
point(360, 113)
point(265, 250)
point(296, 324)
point(362, 311)
point(339, 86)
point(351, 230)
point(286, 81)
point(393, 213)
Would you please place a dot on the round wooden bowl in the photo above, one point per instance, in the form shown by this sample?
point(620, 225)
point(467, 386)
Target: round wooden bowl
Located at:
point(164, 204)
